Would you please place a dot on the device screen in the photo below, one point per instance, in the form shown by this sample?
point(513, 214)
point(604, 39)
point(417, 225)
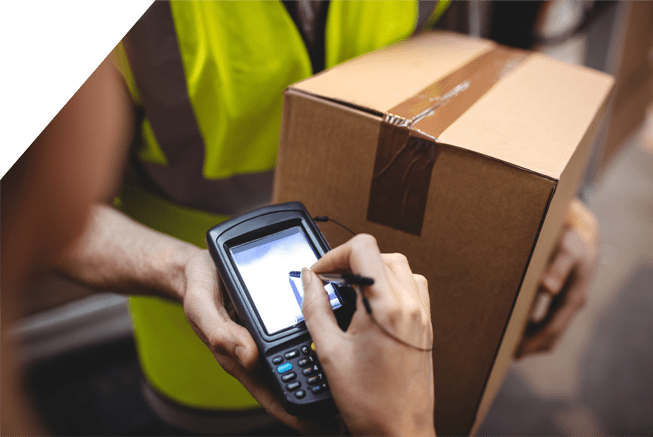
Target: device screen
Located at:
point(265, 265)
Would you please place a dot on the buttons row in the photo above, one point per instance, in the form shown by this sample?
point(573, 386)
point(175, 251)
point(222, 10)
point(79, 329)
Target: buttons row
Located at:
point(292, 375)
point(301, 393)
point(293, 354)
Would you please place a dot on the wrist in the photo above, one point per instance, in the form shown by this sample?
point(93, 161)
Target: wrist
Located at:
point(176, 279)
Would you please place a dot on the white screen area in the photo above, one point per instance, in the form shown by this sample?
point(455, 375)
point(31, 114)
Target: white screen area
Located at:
point(265, 266)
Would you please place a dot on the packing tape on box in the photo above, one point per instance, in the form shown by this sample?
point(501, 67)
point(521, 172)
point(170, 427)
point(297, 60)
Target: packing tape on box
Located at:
point(408, 140)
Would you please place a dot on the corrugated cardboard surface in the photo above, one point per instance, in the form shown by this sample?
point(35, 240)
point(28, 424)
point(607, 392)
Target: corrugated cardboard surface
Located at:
point(482, 222)
point(483, 215)
point(546, 243)
point(535, 117)
point(398, 72)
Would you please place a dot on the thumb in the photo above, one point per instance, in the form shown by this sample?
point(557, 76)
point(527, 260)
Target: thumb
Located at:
point(235, 341)
point(222, 335)
point(320, 320)
point(213, 325)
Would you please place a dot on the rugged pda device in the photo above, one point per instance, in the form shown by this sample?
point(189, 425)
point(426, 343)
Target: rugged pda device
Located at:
point(255, 255)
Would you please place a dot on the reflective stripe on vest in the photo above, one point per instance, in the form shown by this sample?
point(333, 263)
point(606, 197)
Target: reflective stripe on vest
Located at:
point(195, 93)
point(210, 76)
point(153, 51)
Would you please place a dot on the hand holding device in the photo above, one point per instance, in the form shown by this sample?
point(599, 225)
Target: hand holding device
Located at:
point(256, 255)
point(233, 346)
point(381, 386)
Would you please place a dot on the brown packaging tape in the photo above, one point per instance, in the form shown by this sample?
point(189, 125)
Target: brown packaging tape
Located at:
point(407, 146)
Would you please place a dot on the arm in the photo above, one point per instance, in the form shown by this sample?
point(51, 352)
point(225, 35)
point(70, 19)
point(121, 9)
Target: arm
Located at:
point(118, 254)
point(381, 387)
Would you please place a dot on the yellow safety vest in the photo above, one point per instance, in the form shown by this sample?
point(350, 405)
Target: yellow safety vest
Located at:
point(209, 77)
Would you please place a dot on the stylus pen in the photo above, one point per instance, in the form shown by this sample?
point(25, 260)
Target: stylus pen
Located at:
point(339, 278)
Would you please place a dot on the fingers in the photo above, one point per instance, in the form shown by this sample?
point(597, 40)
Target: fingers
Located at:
point(319, 317)
point(563, 290)
point(545, 338)
point(423, 292)
point(360, 255)
point(567, 256)
point(233, 345)
point(404, 284)
point(399, 275)
point(219, 332)
point(540, 306)
point(203, 305)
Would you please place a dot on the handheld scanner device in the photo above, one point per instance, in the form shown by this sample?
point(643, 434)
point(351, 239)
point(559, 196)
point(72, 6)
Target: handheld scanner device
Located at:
point(258, 256)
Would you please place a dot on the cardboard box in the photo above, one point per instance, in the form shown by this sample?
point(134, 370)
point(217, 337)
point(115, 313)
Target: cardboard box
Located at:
point(473, 191)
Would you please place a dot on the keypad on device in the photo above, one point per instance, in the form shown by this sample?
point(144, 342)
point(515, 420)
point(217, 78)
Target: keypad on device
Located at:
point(311, 374)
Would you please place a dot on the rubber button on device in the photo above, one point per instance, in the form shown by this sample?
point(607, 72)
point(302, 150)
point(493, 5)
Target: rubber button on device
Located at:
point(300, 394)
point(277, 360)
point(306, 350)
point(288, 376)
point(305, 362)
point(314, 379)
point(293, 385)
point(292, 354)
point(284, 367)
point(310, 370)
point(319, 388)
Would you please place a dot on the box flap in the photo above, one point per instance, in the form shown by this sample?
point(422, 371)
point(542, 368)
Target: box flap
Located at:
point(533, 117)
point(415, 66)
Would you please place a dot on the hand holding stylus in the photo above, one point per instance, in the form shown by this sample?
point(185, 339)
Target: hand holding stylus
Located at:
point(381, 386)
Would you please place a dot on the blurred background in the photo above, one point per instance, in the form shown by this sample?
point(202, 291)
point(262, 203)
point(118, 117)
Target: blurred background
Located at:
point(78, 346)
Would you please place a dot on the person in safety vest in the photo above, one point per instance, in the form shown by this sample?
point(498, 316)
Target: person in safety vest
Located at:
point(46, 209)
point(199, 74)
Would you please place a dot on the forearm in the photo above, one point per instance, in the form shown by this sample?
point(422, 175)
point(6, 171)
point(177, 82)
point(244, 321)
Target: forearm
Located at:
point(117, 254)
